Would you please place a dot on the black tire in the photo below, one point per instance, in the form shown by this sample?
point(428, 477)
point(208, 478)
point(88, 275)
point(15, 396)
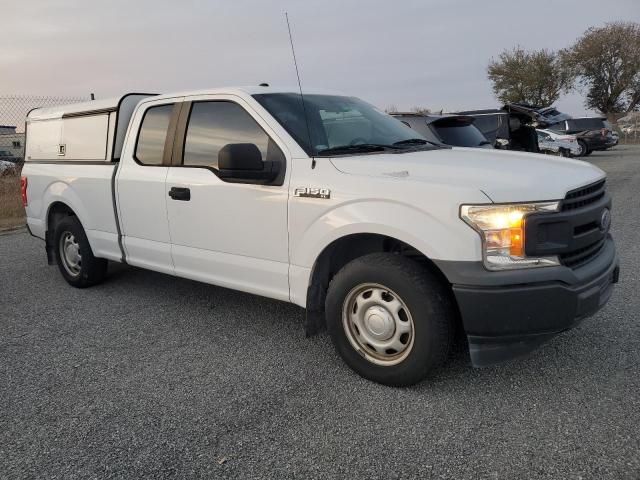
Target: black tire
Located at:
point(430, 309)
point(583, 148)
point(588, 152)
point(90, 270)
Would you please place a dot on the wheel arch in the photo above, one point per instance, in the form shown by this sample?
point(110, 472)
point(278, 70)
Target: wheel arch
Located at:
point(55, 211)
point(343, 250)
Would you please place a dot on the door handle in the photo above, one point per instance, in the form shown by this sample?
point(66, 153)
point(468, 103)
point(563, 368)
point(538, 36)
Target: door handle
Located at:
point(180, 193)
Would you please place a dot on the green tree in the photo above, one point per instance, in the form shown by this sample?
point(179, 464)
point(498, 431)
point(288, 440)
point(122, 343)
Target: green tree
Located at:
point(606, 63)
point(536, 77)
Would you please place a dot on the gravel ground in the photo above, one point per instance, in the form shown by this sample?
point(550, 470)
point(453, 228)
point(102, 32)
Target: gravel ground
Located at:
point(153, 376)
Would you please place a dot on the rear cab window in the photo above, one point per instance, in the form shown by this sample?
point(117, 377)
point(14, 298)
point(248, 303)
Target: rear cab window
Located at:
point(153, 134)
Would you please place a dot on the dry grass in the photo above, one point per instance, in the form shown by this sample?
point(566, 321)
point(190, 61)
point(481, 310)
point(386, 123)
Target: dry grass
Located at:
point(11, 209)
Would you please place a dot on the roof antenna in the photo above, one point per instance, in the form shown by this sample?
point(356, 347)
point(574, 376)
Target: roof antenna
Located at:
point(304, 109)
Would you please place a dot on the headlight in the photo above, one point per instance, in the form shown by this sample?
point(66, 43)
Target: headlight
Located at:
point(502, 230)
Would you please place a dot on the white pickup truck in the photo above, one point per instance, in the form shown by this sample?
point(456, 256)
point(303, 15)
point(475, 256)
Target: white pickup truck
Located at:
point(390, 241)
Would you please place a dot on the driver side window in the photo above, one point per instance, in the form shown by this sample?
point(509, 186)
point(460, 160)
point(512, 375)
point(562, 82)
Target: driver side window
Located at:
point(215, 124)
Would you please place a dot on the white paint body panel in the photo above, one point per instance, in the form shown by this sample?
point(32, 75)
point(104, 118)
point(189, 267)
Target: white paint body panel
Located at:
point(85, 138)
point(552, 142)
point(265, 240)
point(44, 138)
point(86, 189)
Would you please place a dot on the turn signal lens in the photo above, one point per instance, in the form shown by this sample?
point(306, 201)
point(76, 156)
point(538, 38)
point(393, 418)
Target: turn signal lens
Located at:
point(503, 233)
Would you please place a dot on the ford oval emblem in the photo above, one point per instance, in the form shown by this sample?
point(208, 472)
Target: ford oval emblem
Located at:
point(605, 220)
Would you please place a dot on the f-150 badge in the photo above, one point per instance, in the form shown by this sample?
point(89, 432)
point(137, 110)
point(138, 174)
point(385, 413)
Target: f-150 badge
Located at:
point(312, 192)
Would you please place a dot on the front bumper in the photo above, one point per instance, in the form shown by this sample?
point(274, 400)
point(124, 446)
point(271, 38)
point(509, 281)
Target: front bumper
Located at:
point(508, 314)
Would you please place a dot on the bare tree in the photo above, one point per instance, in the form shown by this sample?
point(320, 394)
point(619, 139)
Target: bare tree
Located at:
point(536, 77)
point(420, 110)
point(606, 62)
point(391, 109)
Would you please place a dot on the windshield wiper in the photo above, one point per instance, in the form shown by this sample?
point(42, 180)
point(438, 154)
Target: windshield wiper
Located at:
point(414, 141)
point(484, 142)
point(360, 148)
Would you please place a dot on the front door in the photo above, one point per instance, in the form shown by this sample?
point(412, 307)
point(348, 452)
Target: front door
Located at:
point(228, 232)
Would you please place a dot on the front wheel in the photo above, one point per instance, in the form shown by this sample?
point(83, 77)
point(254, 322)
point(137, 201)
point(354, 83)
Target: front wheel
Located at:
point(74, 256)
point(390, 319)
point(582, 149)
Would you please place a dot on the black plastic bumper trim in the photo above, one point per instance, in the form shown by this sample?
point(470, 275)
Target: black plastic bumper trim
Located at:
point(509, 319)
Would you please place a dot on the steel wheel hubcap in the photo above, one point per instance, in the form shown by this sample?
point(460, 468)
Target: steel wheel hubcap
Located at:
point(378, 324)
point(70, 254)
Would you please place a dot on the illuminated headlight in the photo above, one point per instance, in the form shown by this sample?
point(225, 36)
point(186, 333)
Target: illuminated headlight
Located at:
point(502, 230)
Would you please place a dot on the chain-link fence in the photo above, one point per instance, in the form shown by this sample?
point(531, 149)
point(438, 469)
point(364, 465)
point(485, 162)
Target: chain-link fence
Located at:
point(629, 127)
point(13, 112)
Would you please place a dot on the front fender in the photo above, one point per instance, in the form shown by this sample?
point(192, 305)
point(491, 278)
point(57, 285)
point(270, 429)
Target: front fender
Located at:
point(437, 237)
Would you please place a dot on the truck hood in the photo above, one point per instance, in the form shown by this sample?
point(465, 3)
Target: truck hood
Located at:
point(504, 176)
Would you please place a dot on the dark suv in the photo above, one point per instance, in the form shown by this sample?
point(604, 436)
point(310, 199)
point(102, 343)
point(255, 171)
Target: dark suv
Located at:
point(453, 130)
point(593, 133)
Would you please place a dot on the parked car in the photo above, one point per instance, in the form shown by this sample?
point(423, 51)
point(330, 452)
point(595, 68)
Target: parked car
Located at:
point(505, 128)
point(326, 202)
point(553, 142)
point(453, 130)
point(592, 133)
point(7, 156)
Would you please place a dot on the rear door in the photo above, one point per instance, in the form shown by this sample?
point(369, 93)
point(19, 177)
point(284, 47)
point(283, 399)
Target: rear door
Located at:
point(227, 232)
point(142, 198)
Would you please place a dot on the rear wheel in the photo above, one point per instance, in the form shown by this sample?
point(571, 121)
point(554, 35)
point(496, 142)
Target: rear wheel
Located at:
point(76, 261)
point(390, 319)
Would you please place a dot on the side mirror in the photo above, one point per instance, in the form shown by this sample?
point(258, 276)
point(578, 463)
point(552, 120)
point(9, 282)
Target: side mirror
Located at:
point(243, 161)
point(240, 156)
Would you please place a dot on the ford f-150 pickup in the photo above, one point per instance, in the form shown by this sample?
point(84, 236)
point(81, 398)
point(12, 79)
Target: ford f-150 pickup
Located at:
point(389, 241)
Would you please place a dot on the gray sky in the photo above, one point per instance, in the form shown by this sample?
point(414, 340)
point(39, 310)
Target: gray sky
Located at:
point(406, 53)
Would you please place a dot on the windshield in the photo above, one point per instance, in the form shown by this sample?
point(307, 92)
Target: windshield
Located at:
point(340, 125)
point(460, 133)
